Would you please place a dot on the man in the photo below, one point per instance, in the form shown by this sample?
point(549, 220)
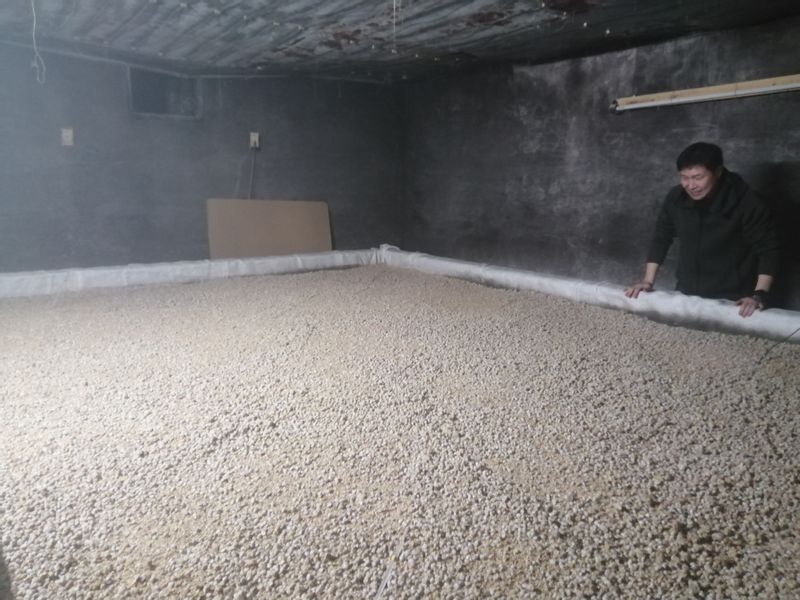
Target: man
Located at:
point(728, 244)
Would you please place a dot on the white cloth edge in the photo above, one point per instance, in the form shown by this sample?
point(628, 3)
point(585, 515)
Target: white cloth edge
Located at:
point(37, 283)
point(672, 307)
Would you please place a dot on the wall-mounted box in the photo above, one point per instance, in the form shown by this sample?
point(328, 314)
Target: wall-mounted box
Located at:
point(67, 137)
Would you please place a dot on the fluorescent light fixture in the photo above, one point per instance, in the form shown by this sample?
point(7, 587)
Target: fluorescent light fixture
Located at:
point(789, 83)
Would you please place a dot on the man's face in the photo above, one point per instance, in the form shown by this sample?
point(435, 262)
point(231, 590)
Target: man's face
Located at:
point(698, 181)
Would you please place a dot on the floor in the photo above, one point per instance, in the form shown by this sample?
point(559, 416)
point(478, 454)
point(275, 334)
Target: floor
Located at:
point(380, 433)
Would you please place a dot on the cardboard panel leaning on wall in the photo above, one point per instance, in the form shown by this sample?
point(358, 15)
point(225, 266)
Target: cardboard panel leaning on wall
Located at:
point(243, 228)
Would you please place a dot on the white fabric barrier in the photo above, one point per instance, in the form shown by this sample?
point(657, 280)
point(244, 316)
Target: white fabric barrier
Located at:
point(35, 283)
point(665, 306)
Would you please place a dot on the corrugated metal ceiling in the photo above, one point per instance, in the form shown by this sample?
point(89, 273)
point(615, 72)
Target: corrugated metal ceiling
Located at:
point(380, 39)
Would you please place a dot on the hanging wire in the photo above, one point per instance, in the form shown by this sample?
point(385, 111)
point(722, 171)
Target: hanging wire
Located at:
point(394, 26)
point(397, 8)
point(38, 61)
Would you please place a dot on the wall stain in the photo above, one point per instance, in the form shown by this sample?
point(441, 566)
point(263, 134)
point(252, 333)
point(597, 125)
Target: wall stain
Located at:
point(569, 6)
point(351, 37)
point(489, 17)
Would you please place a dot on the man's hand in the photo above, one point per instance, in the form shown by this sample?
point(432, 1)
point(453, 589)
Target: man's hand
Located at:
point(748, 305)
point(636, 288)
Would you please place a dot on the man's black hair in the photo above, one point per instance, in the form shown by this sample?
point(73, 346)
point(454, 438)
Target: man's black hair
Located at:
point(700, 154)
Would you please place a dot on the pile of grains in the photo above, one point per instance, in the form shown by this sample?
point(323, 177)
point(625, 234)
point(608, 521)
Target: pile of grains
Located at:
point(379, 433)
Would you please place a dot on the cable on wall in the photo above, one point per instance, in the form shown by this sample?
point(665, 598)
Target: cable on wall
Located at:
point(38, 61)
point(252, 174)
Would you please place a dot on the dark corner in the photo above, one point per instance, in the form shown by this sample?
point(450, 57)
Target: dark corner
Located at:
point(779, 185)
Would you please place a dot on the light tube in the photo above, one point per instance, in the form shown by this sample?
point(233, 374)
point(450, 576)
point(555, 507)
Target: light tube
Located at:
point(774, 85)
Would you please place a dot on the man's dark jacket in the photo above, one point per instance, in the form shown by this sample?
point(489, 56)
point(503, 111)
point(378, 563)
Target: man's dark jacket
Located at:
point(724, 246)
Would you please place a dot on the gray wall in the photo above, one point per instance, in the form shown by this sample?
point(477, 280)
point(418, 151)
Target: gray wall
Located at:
point(527, 167)
point(518, 166)
point(133, 189)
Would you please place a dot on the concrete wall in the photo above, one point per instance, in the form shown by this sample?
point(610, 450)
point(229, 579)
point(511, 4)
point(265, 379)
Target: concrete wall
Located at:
point(518, 166)
point(133, 188)
point(527, 167)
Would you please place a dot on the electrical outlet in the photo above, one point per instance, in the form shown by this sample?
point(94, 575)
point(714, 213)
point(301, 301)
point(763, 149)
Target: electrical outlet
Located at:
point(255, 140)
point(67, 137)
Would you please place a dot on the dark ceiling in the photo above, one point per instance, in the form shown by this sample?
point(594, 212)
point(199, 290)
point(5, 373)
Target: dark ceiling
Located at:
point(361, 39)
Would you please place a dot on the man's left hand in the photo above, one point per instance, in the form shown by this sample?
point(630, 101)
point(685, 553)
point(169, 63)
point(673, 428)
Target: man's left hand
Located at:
point(748, 305)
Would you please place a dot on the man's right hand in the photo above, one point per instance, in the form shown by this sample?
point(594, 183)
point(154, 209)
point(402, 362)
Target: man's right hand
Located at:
point(636, 288)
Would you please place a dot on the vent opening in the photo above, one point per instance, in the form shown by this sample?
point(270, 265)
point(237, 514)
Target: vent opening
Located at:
point(155, 93)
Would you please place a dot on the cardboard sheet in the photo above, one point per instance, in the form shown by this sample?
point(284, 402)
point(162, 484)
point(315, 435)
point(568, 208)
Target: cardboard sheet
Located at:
point(245, 228)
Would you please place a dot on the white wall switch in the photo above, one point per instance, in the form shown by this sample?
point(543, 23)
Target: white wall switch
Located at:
point(255, 140)
point(67, 137)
